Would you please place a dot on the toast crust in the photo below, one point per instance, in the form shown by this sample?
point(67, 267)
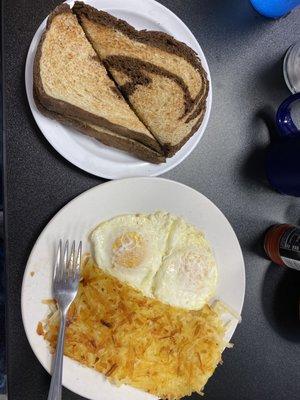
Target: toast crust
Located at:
point(112, 140)
point(63, 108)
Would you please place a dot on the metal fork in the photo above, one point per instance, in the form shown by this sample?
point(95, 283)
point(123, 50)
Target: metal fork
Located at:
point(66, 275)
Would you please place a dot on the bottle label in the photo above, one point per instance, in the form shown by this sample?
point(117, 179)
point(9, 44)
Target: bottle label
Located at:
point(289, 248)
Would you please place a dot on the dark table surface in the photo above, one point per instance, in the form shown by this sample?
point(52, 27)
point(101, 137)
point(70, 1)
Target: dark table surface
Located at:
point(244, 52)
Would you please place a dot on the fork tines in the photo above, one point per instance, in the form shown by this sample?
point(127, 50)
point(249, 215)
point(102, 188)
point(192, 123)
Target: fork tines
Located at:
point(67, 267)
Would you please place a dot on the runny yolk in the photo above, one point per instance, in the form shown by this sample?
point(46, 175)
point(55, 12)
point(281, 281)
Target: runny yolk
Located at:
point(128, 250)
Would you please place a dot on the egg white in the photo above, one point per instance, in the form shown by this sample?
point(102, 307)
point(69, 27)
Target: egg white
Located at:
point(161, 255)
point(187, 277)
point(131, 247)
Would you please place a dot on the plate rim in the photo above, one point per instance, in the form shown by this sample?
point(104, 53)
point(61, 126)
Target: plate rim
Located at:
point(100, 187)
point(133, 171)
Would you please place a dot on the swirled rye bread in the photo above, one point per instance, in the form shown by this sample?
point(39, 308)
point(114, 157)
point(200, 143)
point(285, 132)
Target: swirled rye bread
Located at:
point(162, 78)
point(72, 85)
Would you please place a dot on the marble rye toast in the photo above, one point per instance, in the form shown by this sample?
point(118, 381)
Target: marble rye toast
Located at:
point(162, 78)
point(72, 85)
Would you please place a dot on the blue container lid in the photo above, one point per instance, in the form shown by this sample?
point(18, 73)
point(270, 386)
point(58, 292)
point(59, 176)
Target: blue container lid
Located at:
point(274, 8)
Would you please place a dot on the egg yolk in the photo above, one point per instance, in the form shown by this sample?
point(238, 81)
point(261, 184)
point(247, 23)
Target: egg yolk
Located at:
point(128, 250)
point(193, 271)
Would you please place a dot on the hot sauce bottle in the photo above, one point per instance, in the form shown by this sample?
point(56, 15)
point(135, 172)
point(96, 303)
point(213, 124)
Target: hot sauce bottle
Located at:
point(282, 245)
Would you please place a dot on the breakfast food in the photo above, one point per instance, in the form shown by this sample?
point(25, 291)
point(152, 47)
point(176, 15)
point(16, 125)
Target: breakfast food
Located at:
point(161, 255)
point(131, 247)
point(188, 273)
point(162, 78)
point(106, 136)
point(139, 91)
point(136, 340)
point(141, 316)
point(71, 81)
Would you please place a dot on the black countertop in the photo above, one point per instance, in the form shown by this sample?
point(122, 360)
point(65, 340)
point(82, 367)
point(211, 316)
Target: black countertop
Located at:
point(244, 52)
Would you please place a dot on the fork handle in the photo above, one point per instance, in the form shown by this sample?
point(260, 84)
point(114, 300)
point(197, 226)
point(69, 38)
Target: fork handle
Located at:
point(56, 384)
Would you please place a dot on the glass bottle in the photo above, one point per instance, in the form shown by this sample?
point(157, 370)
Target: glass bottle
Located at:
point(291, 68)
point(282, 245)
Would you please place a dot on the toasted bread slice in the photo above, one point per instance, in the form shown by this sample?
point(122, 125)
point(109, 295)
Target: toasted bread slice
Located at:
point(162, 78)
point(69, 79)
point(106, 136)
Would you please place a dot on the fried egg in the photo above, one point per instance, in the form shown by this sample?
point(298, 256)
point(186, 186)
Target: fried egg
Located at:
point(131, 247)
point(161, 255)
point(187, 277)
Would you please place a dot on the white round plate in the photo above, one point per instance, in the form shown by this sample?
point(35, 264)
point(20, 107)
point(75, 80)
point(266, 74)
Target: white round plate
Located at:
point(87, 153)
point(76, 220)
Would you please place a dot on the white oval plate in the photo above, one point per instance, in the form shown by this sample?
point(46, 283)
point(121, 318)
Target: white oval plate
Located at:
point(79, 217)
point(87, 153)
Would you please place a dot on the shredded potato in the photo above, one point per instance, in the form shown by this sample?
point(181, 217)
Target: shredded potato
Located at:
point(135, 340)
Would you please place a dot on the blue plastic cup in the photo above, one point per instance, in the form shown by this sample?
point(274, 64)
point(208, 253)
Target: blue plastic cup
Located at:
point(274, 8)
point(283, 156)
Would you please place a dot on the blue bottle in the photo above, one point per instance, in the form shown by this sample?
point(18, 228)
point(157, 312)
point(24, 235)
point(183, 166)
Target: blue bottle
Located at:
point(274, 8)
point(283, 155)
